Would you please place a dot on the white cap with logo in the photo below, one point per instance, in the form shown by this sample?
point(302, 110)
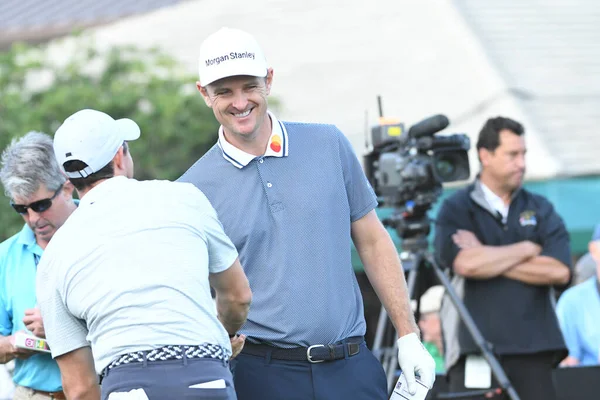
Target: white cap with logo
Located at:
point(230, 52)
point(92, 137)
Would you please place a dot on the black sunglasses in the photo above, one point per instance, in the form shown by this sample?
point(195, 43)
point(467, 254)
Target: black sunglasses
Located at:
point(37, 206)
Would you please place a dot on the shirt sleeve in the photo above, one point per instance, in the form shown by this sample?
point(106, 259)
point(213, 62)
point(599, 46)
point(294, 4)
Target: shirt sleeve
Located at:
point(555, 238)
point(449, 219)
point(221, 251)
point(64, 331)
point(568, 324)
point(361, 196)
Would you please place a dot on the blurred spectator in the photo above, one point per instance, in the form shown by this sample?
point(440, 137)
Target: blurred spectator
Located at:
point(43, 197)
point(585, 267)
point(578, 312)
point(506, 247)
point(429, 323)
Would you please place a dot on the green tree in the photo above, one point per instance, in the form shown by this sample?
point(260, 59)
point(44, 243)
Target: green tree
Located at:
point(144, 85)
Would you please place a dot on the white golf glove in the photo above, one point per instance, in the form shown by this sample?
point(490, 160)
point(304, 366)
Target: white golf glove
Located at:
point(413, 359)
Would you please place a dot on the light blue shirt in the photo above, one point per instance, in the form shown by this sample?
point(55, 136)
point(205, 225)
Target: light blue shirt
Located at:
point(578, 312)
point(289, 213)
point(17, 293)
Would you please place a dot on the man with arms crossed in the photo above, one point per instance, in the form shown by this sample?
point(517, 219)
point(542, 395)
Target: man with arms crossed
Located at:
point(507, 247)
point(130, 272)
point(292, 197)
point(41, 194)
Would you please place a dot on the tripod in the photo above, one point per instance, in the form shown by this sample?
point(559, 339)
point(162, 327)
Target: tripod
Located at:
point(420, 258)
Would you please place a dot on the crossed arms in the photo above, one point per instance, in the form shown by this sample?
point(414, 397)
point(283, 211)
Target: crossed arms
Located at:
point(520, 261)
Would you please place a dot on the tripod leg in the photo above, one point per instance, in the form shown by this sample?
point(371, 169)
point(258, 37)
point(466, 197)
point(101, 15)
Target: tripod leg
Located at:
point(497, 369)
point(411, 282)
point(381, 325)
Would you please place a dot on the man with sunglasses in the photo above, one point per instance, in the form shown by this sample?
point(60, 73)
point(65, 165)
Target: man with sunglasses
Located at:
point(41, 194)
point(124, 287)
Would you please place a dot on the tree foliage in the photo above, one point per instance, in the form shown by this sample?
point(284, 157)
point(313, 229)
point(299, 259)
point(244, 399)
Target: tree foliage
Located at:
point(144, 85)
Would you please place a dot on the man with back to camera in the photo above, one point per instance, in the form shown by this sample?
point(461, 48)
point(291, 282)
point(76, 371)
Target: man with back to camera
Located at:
point(292, 197)
point(41, 194)
point(130, 272)
point(507, 247)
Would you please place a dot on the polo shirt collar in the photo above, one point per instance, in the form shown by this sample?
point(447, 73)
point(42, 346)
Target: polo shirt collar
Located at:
point(27, 239)
point(103, 189)
point(478, 196)
point(278, 145)
point(494, 200)
point(26, 236)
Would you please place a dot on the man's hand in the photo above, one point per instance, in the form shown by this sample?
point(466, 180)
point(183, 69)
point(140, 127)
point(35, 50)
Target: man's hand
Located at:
point(569, 362)
point(237, 344)
point(465, 239)
point(8, 350)
point(413, 359)
point(33, 322)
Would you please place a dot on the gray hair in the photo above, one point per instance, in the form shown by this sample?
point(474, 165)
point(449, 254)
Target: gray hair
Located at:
point(27, 164)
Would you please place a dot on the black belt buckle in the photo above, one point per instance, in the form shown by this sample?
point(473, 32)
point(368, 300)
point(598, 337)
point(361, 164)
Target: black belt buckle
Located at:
point(353, 349)
point(309, 357)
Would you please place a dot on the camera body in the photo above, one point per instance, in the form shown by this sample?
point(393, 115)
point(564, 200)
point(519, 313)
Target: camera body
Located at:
point(407, 169)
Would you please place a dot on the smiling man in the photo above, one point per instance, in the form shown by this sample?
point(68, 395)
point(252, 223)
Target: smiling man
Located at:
point(292, 196)
point(40, 193)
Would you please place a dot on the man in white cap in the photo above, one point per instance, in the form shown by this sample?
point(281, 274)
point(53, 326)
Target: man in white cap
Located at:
point(291, 197)
point(128, 274)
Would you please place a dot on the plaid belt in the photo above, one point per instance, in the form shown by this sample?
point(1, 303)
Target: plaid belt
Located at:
point(206, 350)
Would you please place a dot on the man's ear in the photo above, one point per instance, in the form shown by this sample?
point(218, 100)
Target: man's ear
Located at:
point(269, 80)
point(68, 188)
point(204, 94)
point(119, 162)
point(484, 156)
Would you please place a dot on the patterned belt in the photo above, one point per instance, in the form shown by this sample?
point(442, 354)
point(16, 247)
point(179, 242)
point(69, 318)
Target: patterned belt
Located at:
point(206, 350)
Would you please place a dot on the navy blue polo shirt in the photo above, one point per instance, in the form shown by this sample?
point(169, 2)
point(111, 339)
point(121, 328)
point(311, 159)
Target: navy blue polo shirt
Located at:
point(289, 214)
point(516, 318)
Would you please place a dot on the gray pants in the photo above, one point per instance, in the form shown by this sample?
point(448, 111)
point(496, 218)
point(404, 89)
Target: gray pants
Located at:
point(172, 379)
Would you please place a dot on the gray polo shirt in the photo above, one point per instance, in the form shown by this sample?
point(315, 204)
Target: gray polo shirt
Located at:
point(289, 213)
point(129, 270)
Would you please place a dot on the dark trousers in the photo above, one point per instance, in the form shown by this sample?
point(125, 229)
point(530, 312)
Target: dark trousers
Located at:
point(171, 379)
point(360, 377)
point(529, 374)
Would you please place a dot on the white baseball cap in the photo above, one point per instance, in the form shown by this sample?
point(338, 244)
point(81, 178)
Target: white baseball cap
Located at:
point(92, 137)
point(230, 52)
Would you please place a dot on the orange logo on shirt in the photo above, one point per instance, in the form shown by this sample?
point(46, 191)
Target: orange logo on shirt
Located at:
point(275, 143)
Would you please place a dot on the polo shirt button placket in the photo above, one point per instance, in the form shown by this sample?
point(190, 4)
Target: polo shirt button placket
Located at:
point(269, 184)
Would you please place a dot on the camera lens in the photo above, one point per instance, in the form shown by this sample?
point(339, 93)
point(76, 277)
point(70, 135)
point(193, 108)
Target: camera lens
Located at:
point(445, 168)
point(451, 166)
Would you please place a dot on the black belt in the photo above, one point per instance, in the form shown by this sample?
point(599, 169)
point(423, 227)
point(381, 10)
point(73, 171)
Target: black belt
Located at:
point(315, 354)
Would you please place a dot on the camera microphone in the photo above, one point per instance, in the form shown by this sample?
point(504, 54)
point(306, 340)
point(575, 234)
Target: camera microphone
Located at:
point(429, 126)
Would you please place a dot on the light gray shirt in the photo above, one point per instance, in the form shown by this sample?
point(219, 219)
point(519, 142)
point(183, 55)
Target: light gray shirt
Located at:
point(129, 271)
